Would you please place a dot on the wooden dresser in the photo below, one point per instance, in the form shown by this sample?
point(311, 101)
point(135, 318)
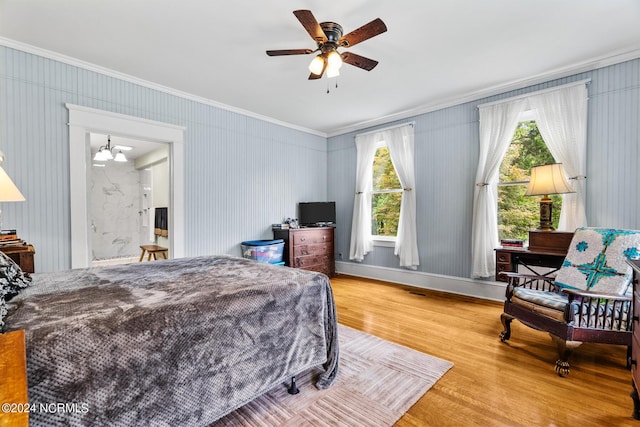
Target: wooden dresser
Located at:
point(309, 248)
point(635, 341)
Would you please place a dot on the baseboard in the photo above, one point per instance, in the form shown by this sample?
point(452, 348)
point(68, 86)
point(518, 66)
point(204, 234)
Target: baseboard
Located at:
point(457, 285)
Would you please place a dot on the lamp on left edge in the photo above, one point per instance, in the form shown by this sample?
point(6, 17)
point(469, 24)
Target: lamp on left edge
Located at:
point(8, 191)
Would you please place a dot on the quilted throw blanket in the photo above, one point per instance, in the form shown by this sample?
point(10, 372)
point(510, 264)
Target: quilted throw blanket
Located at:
point(170, 343)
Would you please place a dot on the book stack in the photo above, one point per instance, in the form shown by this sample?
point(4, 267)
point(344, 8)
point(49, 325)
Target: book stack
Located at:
point(512, 243)
point(10, 238)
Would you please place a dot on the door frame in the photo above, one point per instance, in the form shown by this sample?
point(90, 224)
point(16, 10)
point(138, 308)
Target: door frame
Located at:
point(84, 120)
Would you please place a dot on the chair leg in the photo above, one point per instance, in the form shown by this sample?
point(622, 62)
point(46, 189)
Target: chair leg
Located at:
point(565, 348)
point(506, 323)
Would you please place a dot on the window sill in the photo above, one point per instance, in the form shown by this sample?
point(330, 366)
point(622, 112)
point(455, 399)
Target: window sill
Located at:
point(388, 242)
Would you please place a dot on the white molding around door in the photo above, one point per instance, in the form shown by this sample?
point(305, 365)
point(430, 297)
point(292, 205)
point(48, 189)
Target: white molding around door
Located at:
point(84, 120)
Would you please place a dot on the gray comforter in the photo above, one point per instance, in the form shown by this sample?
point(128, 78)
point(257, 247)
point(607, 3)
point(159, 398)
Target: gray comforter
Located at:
point(170, 343)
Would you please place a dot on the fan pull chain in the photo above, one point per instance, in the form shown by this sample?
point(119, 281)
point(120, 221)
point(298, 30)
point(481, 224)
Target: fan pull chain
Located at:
point(328, 84)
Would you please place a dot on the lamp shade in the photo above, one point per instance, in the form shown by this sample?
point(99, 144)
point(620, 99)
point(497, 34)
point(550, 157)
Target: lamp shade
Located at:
point(548, 179)
point(8, 190)
point(120, 157)
point(317, 65)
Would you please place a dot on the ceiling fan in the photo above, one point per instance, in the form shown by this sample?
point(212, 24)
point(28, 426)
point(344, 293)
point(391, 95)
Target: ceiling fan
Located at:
point(328, 36)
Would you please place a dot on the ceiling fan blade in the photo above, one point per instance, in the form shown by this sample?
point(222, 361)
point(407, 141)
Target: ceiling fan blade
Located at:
point(289, 52)
point(363, 33)
point(359, 61)
point(317, 76)
point(310, 24)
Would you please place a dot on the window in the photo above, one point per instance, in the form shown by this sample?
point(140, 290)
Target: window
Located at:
point(517, 213)
point(386, 196)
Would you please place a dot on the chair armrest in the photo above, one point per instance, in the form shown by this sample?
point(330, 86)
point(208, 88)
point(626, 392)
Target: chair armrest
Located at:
point(577, 293)
point(530, 281)
point(599, 310)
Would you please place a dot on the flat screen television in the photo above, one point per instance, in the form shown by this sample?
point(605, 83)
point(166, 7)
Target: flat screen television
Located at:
point(316, 214)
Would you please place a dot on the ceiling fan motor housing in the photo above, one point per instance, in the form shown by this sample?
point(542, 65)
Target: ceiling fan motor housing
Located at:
point(332, 30)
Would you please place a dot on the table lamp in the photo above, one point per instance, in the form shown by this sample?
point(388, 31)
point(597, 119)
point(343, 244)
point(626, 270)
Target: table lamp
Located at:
point(8, 190)
point(545, 180)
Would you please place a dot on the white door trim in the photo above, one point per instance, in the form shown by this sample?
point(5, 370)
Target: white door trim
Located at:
point(84, 120)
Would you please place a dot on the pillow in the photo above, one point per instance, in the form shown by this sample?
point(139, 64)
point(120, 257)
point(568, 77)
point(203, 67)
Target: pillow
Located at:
point(596, 260)
point(12, 279)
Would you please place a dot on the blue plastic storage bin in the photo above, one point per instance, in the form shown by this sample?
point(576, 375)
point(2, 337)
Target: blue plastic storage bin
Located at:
point(268, 251)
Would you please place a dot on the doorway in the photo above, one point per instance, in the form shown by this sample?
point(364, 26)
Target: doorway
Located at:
point(82, 122)
point(128, 188)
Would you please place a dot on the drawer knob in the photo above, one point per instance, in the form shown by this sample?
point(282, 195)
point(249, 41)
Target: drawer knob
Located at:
point(635, 318)
point(633, 362)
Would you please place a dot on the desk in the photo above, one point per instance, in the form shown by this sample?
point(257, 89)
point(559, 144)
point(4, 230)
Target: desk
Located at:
point(546, 249)
point(508, 259)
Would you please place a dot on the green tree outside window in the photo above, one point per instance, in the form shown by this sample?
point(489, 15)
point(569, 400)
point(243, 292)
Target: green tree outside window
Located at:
point(386, 196)
point(517, 213)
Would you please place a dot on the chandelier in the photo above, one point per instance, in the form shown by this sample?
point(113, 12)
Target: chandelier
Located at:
point(104, 153)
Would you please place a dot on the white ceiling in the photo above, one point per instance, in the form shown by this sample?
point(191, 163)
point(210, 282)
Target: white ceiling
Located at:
point(434, 52)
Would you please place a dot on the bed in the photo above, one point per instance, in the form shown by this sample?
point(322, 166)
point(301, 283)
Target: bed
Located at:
point(167, 343)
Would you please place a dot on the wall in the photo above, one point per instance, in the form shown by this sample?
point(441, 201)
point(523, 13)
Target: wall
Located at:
point(160, 180)
point(446, 156)
point(157, 163)
point(242, 174)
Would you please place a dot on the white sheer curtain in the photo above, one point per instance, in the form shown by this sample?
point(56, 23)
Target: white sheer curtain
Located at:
point(361, 242)
point(400, 142)
point(561, 116)
point(497, 125)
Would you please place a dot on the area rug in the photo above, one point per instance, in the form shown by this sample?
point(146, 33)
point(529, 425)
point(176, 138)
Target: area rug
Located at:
point(377, 383)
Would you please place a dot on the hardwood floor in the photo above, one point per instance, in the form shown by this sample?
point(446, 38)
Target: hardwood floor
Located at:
point(491, 383)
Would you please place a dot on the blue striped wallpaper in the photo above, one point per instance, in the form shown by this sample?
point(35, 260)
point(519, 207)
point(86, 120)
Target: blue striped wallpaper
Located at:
point(446, 151)
point(241, 174)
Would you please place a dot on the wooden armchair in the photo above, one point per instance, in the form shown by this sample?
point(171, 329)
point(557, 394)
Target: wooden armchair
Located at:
point(589, 300)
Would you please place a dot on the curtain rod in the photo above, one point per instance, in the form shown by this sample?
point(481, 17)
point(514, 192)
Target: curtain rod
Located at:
point(412, 123)
point(537, 92)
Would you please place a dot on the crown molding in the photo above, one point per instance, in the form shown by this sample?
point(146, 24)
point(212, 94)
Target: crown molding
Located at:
point(600, 62)
point(589, 65)
point(14, 44)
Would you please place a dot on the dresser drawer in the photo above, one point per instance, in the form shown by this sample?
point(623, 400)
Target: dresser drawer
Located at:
point(310, 260)
point(307, 237)
point(313, 249)
point(635, 354)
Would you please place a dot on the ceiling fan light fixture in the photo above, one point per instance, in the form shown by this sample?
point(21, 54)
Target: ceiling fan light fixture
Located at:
point(333, 72)
point(317, 65)
point(334, 60)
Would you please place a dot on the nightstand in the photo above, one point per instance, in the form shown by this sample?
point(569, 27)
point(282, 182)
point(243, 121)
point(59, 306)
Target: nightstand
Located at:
point(21, 255)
